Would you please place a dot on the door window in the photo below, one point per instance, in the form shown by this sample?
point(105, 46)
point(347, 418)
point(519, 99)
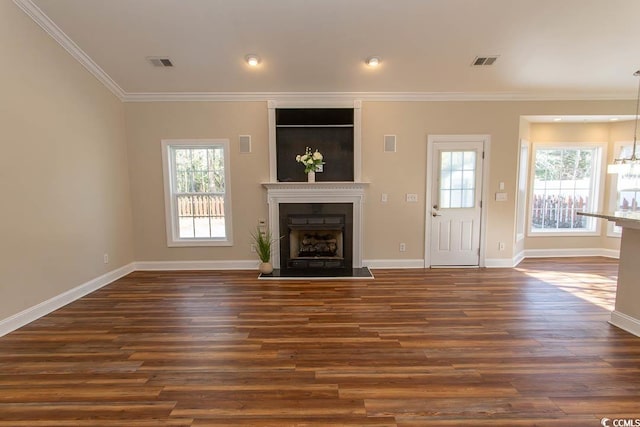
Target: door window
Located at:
point(457, 179)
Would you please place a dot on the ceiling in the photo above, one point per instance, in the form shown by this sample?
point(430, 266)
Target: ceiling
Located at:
point(547, 49)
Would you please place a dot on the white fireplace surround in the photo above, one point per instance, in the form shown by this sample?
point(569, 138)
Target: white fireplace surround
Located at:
point(318, 192)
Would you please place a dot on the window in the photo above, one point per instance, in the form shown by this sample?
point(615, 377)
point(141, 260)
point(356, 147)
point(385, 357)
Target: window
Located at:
point(625, 192)
point(566, 180)
point(457, 179)
point(197, 195)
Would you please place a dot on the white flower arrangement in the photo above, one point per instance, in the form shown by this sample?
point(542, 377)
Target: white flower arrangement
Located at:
point(311, 160)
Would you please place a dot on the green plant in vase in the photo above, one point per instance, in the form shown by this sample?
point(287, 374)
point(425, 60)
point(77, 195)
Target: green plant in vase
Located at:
point(264, 241)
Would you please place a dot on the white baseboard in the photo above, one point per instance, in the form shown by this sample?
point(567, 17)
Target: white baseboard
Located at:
point(33, 313)
point(504, 262)
point(393, 263)
point(518, 258)
point(625, 322)
point(574, 252)
point(610, 253)
point(196, 265)
point(498, 263)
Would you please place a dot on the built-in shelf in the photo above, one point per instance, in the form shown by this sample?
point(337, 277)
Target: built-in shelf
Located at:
point(333, 130)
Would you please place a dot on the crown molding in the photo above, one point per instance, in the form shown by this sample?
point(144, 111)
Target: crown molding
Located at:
point(39, 17)
point(307, 97)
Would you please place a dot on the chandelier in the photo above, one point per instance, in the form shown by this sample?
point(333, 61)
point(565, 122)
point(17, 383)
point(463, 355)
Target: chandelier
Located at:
point(629, 166)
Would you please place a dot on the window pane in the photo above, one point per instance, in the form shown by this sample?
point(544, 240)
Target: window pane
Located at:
point(199, 187)
point(469, 180)
point(201, 216)
point(627, 187)
point(445, 160)
point(470, 160)
point(563, 186)
point(456, 198)
point(468, 197)
point(445, 199)
point(457, 179)
point(628, 200)
point(445, 179)
point(182, 159)
point(457, 160)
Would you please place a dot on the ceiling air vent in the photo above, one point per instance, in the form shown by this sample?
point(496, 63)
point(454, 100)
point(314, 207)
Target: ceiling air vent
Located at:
point(157, 61)
point(484, 60)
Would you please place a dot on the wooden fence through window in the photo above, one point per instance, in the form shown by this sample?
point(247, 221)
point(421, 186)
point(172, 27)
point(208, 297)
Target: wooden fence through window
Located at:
point(201, 206)
point(558, 211)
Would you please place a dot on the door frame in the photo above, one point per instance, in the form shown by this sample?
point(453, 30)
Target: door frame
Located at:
point(486, 144)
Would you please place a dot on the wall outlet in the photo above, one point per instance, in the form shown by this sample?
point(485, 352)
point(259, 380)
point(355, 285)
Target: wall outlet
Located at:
point(253, 248)
point(412, 197)
point(106, 258)
point(501, 246)
point(403, 247)
point(384, 198)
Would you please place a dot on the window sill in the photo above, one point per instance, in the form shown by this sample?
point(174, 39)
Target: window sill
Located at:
point(595, 233)
point(198, 243)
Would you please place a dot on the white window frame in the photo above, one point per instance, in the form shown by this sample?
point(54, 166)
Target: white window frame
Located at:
point(598, 183)
point(612, 229)
point(521, 194)
point(171, 217)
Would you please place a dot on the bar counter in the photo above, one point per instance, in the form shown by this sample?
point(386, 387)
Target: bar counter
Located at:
point(627, 306)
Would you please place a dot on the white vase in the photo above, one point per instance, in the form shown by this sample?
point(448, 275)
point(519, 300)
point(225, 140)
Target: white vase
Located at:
point(265, 268)
point(311, 177)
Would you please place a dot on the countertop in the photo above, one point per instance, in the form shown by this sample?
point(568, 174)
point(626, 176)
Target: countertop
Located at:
point(629, 219)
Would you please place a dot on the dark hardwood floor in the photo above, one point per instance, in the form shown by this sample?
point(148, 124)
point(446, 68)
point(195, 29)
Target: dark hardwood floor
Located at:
point(452, 347)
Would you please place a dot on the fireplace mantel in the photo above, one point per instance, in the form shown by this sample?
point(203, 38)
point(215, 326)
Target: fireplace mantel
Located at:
point(340, 187)
point(317, 192)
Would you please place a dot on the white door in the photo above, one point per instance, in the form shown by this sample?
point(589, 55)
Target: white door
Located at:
point(455, 211)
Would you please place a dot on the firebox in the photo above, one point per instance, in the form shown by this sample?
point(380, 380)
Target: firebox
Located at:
point(316, 236)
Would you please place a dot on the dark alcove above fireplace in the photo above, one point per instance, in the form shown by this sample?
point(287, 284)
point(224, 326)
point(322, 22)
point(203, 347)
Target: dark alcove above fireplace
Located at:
point(328, 130)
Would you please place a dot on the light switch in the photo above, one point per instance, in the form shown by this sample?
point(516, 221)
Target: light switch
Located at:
point(501, 197)
point(384, 198)
point(501, 186)
point(412, 197)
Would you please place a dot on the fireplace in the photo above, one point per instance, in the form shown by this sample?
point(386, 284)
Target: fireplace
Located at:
point(299, 209)
point(316, 236)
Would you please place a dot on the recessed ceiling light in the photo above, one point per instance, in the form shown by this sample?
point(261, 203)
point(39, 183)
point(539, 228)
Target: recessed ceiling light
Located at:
point(373, 61)
point(252, 59)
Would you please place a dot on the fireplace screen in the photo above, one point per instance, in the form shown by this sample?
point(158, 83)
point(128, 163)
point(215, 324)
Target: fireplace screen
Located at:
point(316, 241)
point(316, 236)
